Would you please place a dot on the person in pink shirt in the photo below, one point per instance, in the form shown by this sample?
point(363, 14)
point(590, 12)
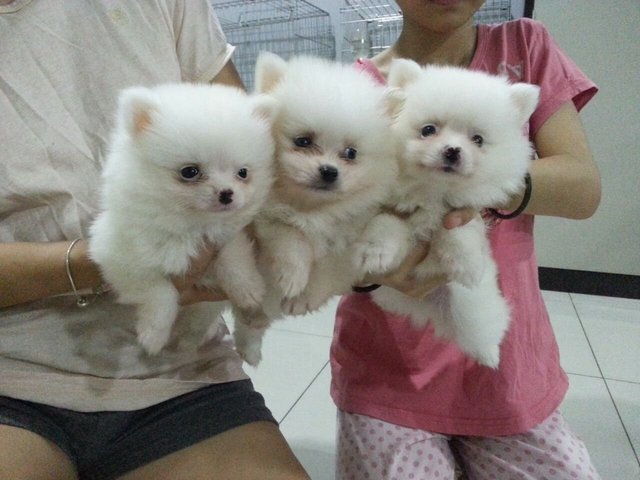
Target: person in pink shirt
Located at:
point(413, 406)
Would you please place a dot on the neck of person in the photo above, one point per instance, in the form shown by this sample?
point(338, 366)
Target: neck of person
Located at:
point(454, 48)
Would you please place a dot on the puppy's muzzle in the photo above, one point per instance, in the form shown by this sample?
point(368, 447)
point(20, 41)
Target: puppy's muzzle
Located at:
point(451, 158)
point(225, 197)
point(328, 173)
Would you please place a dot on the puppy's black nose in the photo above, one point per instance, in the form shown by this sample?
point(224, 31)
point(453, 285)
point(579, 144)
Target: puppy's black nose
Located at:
point(451, 155)
point(226, 197)
point(328, 173)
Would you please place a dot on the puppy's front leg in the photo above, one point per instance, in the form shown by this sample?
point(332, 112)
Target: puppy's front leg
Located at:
point(291, 257)
point(383, 245)
point(462, 252)
point(332, 275)
point(248, 333)
point(157, 308)
point(236, 272)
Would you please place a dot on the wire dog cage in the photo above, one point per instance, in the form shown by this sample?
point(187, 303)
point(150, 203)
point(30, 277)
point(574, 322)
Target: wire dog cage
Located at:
point(370, 26)
point(284, 27)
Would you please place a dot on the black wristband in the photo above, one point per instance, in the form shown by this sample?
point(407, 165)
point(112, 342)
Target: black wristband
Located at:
point(367, 289)
point(521, 207)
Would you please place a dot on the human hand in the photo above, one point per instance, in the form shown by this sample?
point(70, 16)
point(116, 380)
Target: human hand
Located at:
point(189, 285)
point(404, 279)
point(458, 217)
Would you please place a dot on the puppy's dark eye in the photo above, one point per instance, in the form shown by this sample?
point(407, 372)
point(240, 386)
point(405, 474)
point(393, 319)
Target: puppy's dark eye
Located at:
point(190, 173)
point(428, 130)
point(349, 153)
point(303, 142)
point(243, 173)
point(478, 140)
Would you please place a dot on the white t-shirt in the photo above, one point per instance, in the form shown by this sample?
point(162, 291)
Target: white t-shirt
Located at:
point(62, 66)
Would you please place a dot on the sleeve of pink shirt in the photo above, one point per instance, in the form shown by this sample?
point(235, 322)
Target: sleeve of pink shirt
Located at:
point(559, 78)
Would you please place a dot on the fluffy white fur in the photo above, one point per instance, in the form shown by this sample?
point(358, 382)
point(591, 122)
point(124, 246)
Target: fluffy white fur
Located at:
point(334, 167)
point(187, 163)
point(462, 144)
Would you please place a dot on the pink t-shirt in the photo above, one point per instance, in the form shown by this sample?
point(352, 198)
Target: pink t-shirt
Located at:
point(384, 368)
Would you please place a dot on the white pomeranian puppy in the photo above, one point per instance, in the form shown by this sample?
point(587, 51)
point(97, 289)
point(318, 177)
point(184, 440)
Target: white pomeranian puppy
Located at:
point(335, 164)
point(462, 145)
point(187, 164)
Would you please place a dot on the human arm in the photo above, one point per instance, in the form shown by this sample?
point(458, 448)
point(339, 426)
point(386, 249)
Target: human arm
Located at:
point(229, 76)
point(33, 271)
point(565, 179)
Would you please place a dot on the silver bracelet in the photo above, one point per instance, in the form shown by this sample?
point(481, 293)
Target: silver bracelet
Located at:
point(81, 300)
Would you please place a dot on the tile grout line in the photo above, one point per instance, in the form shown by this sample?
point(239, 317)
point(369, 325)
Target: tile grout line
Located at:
point(304, 391)
point(619, 380)
point(321, 335)
point(599, 377)
point(606, 384)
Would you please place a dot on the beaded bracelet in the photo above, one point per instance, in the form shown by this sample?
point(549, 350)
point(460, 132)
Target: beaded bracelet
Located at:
point(521, 207)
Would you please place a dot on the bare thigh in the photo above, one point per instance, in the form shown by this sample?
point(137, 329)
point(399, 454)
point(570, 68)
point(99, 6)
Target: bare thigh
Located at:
point(28, 456)
point(252, 451)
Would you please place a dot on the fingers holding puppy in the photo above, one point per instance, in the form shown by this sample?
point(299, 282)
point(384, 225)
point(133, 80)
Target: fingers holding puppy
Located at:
point(458, 217)
point(190, 287)
point(404, 278)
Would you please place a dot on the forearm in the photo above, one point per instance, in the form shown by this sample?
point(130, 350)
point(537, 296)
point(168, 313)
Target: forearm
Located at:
point(229, 76)
point(31, 271)
point(561, 187)
point(565, 179)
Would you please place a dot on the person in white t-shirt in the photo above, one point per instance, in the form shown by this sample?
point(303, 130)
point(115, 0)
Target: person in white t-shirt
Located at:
point(78, 398)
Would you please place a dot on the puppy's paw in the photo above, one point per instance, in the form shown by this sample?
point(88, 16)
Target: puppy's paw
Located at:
point(293, 306)
point(250, 353)
point(292, 281)
point(248, 297)
point(376, 257)
point(304, 303)
point(467, 270)
point(248, 339)
point(153, 338)
point(154, 325)
point(489, 357)
point(462, 254)
point(418, 322)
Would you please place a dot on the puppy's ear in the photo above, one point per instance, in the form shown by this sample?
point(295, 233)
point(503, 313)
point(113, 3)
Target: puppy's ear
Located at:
point(525, 98)
point(136, 106)
point(269, 71)
point(403, 72)
point(393, 101)
point(265, 107)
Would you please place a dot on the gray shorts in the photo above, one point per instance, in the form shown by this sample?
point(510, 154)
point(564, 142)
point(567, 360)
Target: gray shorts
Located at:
point(105, 445)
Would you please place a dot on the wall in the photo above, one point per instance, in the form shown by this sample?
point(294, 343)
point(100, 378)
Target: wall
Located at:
point(603, 39)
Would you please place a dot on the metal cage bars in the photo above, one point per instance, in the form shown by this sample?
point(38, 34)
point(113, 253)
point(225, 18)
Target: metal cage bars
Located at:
point(370, 26)
point(284, 27)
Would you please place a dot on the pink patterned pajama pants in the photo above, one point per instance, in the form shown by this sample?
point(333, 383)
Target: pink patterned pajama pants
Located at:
point(370, 449)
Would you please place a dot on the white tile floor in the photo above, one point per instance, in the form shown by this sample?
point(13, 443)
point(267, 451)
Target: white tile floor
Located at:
point(599, 340)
